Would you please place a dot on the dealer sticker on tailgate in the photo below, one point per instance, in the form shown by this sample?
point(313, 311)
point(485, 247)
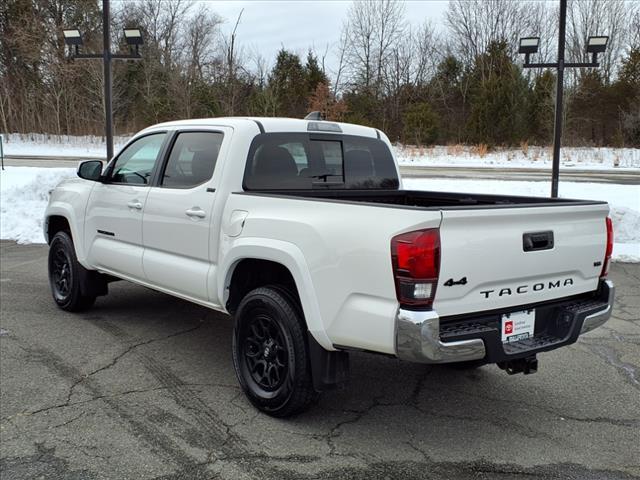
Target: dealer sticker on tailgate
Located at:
point(518, 326)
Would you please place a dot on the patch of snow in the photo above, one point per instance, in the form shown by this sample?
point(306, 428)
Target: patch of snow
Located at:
point(584, 158)
point(24, 194)
point(626, 252)
point(624, 201)
point(38, 144)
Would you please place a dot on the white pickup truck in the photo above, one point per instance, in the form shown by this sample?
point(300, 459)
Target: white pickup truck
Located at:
point(301, 230)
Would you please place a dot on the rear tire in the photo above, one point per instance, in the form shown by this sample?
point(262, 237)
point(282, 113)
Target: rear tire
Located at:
point(64, 275)
point(270, 353)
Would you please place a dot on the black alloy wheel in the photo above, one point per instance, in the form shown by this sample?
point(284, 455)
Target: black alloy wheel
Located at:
point(270, 352)
point(64, 275)
point(61, 274)
point(265, 352)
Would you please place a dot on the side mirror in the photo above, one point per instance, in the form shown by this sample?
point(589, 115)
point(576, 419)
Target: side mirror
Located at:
point(90, 170)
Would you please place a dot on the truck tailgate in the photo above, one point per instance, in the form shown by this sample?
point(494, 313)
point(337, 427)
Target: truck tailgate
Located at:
point(495, 258)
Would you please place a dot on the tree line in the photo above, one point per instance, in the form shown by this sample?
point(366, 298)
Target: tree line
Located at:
point(461, 83)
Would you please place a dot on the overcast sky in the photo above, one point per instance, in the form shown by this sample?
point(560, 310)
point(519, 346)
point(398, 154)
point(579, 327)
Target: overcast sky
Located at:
point(268, 25)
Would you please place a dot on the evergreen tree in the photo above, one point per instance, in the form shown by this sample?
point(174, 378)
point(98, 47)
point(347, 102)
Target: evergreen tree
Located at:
point(589, 118)
point(542, 108)
point(363, 107)
point(314, 74)
point(627, 90)
point(289, 82)
point(498, 98)
point(420, 124)
point(448, 91)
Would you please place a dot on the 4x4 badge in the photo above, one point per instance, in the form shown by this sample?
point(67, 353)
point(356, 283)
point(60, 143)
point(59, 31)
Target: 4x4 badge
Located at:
point(451, 282)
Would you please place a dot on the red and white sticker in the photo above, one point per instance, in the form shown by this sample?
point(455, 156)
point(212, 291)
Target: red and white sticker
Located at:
point(518, 326)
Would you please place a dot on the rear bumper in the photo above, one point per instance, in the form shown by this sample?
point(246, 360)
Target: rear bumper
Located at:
point(423, 337)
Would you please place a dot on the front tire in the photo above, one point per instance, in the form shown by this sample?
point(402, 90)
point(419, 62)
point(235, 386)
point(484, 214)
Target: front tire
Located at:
point(270, 353)
point(64, 275)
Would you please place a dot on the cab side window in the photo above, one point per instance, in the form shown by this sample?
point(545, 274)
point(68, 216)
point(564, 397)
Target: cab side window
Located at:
point(135, 163)
point(192, 160)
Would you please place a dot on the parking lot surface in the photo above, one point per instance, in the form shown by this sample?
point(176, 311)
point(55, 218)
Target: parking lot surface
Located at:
point(142, 387)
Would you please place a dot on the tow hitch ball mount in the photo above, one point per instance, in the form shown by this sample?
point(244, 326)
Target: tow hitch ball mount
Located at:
point(521, 365)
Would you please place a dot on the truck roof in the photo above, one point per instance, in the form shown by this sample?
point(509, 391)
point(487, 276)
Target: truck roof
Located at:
point(270, 124)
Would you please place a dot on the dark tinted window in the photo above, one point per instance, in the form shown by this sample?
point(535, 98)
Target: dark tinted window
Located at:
point(192, 160)
point(306, 161)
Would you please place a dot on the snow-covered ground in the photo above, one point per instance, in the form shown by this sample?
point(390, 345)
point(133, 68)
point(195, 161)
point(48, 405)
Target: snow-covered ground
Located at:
point(24, 193)
point(588, 158)
point(451, 155)
point(39, 144)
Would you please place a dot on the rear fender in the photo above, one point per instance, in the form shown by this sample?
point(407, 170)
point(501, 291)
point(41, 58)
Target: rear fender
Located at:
point(288, 255)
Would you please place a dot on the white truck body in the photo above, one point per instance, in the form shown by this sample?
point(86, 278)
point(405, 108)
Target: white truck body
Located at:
point(187, 242)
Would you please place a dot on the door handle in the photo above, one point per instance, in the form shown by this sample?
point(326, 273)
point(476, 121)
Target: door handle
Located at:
point(135, 204)
point(532, 242)
point(195, 212)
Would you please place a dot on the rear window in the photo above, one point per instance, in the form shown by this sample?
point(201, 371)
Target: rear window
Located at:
point(305, 161)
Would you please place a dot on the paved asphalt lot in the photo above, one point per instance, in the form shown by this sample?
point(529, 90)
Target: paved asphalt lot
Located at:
point(142, 387)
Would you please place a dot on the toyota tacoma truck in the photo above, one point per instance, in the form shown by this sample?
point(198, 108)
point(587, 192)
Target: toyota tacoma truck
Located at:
point(301, 230)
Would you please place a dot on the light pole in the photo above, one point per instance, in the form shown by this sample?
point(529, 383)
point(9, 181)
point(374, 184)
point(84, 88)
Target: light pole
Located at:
point(133, 37)
point(528, 46)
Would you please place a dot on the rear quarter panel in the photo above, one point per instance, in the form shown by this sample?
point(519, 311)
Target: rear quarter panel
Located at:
point(345, 248)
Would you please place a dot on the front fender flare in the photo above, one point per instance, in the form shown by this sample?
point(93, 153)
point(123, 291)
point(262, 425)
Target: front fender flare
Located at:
point(60, 209)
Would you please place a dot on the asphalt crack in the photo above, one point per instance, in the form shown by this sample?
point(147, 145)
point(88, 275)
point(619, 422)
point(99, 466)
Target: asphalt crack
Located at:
point(112, 363)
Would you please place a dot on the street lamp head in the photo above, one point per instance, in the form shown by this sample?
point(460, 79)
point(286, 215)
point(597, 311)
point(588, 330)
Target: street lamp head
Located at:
point(72, 37)
point(133, 36)
point(597, 44)
point(529, 45)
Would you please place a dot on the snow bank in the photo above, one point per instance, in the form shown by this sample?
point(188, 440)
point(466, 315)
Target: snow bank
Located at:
point(58, 145)
point(530, 157)
point(24, 193)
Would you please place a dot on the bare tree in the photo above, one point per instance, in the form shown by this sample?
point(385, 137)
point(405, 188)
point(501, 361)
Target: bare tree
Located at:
point(370, 36)
point(390, 26)
point(232, 64)
point(342, 52)
point(474, 24)
point(361, 42)
point(598, 17)
point(426, 49)
point(634, 26)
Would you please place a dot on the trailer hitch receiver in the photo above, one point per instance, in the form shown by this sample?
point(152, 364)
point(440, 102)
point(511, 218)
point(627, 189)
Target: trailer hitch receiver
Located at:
point(525, 365)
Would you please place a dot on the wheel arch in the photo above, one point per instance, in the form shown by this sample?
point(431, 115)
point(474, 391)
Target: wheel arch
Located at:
point(283, 261)
point(60, 217)
point(55, 224)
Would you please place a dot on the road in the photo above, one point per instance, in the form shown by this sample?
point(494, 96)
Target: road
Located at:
point(142, 387)
point(624, 177)
point(523, 174)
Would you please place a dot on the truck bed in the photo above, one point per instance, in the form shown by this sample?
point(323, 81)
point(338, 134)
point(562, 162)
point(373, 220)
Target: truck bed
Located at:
point(425, 199)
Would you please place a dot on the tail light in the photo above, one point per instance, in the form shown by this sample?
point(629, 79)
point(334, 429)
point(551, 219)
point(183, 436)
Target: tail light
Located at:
point(609, 251)
point(415, 257)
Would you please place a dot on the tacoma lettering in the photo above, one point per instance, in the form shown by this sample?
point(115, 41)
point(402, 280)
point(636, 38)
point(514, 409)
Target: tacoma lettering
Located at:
point(536, 287)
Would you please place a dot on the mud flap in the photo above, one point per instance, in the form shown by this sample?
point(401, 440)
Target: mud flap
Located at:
point(92, 283)
point(329, 369)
